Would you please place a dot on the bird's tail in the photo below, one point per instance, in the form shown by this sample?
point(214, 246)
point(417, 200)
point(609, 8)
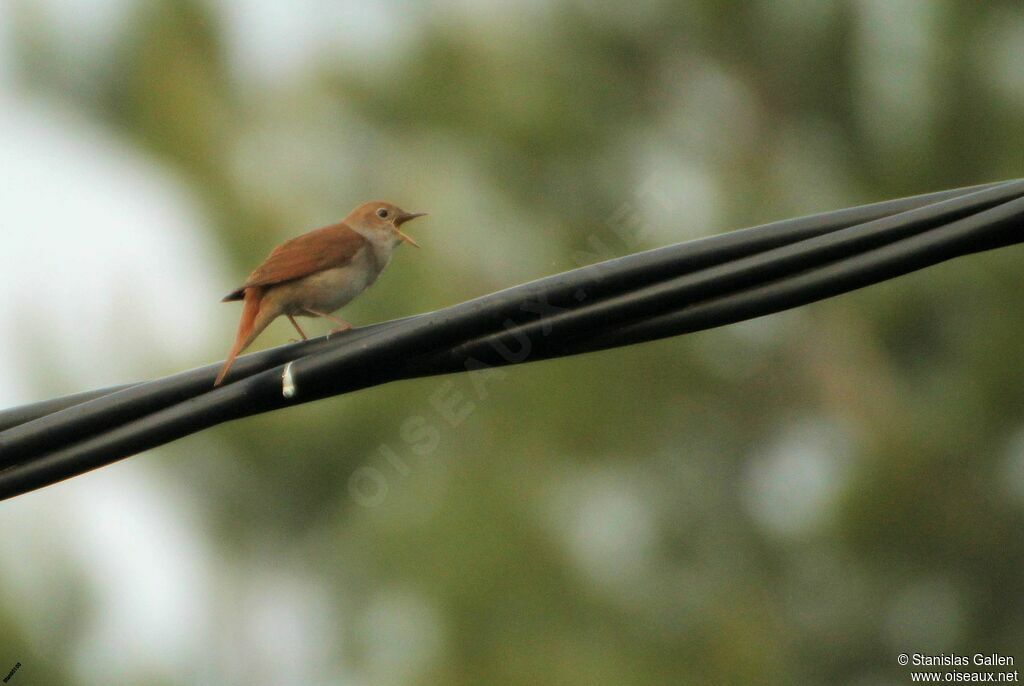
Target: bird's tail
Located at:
point(249, 327)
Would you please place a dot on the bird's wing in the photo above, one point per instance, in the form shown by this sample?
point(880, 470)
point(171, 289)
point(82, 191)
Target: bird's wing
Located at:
point(326, 248)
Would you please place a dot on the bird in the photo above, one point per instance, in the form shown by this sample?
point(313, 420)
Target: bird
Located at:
point(317, 273)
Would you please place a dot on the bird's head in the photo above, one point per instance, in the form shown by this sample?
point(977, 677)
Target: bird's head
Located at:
point(382, 219)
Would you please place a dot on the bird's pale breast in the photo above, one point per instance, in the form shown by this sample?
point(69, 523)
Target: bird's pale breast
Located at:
point(330, 289)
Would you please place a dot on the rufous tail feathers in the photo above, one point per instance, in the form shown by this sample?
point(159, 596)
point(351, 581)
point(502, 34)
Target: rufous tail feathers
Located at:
point(249, 327)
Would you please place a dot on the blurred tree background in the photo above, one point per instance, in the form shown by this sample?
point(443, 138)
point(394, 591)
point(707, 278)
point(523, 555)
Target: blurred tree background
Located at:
point(795, 499)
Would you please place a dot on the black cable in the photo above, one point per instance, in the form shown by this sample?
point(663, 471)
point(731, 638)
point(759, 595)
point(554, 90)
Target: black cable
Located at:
point(703, 283)
point(26, 413)
point(996, 227)
point(122, 403)
point(634, 269)
point(649, 309)
point(608, 302)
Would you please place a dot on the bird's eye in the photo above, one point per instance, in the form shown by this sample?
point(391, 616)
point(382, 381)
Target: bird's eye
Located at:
point(382, 213)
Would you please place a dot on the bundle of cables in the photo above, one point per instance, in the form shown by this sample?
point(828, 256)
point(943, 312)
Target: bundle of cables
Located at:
point(664, 292)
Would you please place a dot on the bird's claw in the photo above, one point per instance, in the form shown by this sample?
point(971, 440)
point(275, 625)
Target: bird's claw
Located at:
point(338, 329)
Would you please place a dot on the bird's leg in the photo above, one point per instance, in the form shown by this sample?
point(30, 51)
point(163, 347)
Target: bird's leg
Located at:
point(297, 327)
point(342, 324)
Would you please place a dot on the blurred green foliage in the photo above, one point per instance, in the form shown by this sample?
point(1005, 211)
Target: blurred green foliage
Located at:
point(791, 500)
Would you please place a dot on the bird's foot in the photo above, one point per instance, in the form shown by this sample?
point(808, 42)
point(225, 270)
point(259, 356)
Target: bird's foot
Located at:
point(338, 329)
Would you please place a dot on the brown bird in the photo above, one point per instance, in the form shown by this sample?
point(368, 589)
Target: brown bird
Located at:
point(318, 272)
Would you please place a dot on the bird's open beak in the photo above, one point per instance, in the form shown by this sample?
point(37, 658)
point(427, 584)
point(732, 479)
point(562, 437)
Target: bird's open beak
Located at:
point(403, 218)
point(408, 216)
point(408, 239)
